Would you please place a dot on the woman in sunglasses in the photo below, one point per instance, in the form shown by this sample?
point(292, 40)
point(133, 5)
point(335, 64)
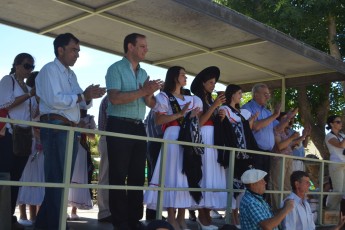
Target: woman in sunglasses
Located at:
point(335, 141)
point(18, 99)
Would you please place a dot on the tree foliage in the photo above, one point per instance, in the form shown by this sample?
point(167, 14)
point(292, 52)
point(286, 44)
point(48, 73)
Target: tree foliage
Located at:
point(318, 23)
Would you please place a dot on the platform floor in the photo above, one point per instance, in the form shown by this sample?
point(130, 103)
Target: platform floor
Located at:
point(88, 221)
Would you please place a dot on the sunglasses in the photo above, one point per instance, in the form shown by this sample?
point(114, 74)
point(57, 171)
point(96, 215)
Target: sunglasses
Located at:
point(338, 122)
point(28, 66)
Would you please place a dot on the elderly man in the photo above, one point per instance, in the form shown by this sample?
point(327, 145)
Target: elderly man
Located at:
point(301, 217)
point(255, 211)
point(264, 124)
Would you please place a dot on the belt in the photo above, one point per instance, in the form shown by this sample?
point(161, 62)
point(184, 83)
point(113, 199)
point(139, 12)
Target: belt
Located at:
point(53, 116)
point(130, 120)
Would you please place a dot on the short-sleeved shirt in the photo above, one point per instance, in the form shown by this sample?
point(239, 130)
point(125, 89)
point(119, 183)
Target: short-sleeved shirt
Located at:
point(336, 154)
point(163, 104)
point(120, 76)
point(265, 136)
point(254, 209)
point(300, 217)
point(9, 90)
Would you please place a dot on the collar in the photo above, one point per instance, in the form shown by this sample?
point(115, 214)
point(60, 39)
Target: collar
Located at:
point(61, 67)
point(130, 64)
point(257, 105)
point(255, 194)
point(297, 198)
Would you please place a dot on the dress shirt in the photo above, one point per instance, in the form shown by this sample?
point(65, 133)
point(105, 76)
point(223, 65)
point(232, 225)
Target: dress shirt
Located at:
point(265, 136)
point(254, 209)
point(120, 76)
point(57, 87)
point(300, 217)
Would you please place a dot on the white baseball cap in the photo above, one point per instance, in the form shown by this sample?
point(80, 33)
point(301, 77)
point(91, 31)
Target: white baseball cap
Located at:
point(252, 176)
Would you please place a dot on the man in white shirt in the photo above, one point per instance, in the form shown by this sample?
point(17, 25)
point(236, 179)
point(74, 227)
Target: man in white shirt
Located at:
point(301, 217)
point(60, 101)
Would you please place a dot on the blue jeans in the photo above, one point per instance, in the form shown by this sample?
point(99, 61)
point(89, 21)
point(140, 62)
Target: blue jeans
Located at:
point(54, 148)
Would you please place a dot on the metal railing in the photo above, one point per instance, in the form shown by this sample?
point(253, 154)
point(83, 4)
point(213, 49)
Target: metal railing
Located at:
point(160, 188)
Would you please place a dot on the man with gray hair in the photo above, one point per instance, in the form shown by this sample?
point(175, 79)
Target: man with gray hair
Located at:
point(264, 124)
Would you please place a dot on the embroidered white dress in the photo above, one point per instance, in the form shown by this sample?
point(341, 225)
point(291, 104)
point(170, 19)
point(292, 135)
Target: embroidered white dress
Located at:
point(213, 174)
point(173, 174)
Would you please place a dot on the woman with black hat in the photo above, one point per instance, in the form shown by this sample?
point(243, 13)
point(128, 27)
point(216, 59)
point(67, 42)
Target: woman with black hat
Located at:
point(213, 174)
point(171, 109)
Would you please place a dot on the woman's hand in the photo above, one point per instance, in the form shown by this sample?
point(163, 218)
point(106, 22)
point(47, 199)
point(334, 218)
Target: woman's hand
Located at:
point(219, 100)
point(221, 114)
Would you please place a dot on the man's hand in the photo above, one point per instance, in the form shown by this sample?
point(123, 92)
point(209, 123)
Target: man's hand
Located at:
point(93, 91)
point(289, 204)
point(150, 87)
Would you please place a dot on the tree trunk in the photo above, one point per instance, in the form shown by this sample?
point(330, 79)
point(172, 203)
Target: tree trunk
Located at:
point(317, 124)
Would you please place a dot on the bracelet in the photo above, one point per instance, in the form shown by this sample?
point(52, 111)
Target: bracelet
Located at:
point(82, 97)
point(29, 94)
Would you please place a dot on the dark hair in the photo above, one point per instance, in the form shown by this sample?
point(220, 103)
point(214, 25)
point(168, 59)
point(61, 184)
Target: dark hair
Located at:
point(206, 97)
point(171, 78)
point(19, 59)
point(31, 79)
point(231, 90)
point(330, 120)
point(186, 92)
point(63, 40)
point(282, 114)
point(131, 39)
point(297, 176)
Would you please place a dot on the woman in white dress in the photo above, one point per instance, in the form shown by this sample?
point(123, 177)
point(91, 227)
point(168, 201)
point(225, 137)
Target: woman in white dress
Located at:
point(80, 198)
point(213, 173)
point(236, 132)
point(174, 178)
point(19, 100)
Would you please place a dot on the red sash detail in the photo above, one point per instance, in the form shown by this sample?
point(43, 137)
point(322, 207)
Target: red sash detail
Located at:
point(171, 123)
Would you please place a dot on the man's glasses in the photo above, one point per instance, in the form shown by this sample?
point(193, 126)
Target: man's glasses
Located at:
point(338, 122)
point(28, 66)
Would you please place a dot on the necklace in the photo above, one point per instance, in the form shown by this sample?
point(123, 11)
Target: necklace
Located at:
point(21, 83)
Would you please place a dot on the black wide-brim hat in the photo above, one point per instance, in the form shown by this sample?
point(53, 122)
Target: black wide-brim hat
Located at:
point(206, 74)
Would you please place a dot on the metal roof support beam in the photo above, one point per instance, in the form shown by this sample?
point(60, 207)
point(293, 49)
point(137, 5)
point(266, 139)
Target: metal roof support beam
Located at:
point(89, 12)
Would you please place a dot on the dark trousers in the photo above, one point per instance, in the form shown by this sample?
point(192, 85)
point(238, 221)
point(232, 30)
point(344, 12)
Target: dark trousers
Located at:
point(126, 164)
point(153, 149)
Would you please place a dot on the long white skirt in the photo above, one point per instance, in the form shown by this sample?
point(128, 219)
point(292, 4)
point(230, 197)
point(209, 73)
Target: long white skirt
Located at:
point(173, 177)
point(213, 174)
point(33, 172)
point(80, 197)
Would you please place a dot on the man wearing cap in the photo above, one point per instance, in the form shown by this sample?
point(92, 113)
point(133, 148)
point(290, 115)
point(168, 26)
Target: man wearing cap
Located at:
point(255, 211)
point(301, 217)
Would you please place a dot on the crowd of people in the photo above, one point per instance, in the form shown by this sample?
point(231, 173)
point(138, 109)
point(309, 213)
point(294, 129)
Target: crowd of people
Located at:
point(53, 96)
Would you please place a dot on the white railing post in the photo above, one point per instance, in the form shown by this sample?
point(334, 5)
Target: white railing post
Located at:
point(160, 197)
